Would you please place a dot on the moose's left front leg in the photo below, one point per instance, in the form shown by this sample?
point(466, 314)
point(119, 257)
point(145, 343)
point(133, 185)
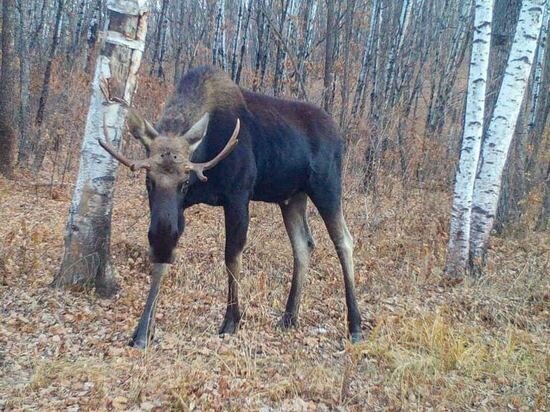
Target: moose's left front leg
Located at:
point(236, 227)
point(144, 331)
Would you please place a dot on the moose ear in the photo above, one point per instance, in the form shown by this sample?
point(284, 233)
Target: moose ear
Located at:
point(197, 132)
point(141, 128)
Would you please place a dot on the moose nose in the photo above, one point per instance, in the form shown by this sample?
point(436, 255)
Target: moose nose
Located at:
point(163, 237)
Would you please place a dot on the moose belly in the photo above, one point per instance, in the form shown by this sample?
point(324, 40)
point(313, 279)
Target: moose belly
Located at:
point(279, 184)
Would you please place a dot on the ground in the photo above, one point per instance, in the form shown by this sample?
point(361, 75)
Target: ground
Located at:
point(479, 345)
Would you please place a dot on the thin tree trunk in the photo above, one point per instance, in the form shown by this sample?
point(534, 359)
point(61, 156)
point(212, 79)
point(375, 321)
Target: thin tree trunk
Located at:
point(501, 129)
point(24, 79)
point(8, 89)
point(218, 50)
point(458, 247)
point(344, 90)
point(280, 55)
point(329, 58)
point(310, 11)
point(236, 41)
point(359, 97)
point(86, 259)
point(375, 67)
point(91, 37)
point(158, 47)
point(40, 142)
point(243, 43)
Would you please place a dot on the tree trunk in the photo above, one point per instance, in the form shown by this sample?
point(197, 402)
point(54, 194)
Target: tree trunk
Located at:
point(280, 55)
point(159, 42)
point(243, 43)
point(24, 79)
point(218, 51)
point(344, 90)
point(236, 41)
point(86, 258)
point(501, 129)
point(8, 89)
point(40, 142)
point(329, 58)
point(310, 10)
point(458, 248)
point(91, 38)
point(359, 97)
point(523, 171)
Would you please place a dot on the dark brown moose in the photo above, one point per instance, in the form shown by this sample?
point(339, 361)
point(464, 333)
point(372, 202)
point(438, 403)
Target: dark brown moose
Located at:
point(222, 145)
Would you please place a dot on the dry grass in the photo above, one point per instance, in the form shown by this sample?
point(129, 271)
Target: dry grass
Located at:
point(480, 345)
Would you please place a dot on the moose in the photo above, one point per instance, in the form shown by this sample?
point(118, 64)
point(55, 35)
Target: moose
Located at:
point(222, 145)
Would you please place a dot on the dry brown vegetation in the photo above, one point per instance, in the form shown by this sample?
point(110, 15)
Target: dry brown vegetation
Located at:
point(480, 345)
point(483, 344)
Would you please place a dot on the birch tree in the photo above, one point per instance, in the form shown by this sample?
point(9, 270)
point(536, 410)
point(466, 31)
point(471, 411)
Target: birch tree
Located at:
point(501, 128)
point(86, 257)
point(458, 248)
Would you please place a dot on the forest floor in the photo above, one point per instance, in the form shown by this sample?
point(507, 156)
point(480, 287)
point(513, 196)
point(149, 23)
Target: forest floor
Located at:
point(479, 345)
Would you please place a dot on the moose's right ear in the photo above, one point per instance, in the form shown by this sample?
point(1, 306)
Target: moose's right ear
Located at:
point(141, 128)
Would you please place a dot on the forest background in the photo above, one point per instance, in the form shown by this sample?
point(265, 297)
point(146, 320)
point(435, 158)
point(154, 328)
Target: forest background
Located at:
point(394, 76)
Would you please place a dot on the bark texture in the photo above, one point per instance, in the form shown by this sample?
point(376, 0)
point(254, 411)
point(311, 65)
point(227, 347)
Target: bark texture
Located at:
point(86, 258)
point(501, 128)
point(7, 89)
point(458, 248)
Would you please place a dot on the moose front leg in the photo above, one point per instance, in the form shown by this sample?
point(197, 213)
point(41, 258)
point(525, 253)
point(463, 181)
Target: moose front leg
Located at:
point(236, 227)
point(145, 328)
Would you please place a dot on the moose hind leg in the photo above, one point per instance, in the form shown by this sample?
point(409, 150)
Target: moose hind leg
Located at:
point(295, 218)
point(236, 227)
point(343, 242)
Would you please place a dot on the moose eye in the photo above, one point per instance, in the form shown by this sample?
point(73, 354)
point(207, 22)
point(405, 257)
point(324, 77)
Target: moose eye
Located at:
point(184, 185)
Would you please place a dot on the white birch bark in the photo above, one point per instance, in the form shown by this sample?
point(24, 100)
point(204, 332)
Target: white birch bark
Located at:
point(501, 128)
point(458, 247)
point(86, 257)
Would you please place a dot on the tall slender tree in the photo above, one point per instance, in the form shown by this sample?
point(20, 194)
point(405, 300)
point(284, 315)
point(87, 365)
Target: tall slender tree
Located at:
point(86, 258)
point(41, 140)
point(459, 238)
point(330, 39)
point(501, 128)
point(8, 87)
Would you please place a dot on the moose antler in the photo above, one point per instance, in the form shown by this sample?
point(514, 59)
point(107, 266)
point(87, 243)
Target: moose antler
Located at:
point(200, 168)
point(107, 145)
point(132, 164)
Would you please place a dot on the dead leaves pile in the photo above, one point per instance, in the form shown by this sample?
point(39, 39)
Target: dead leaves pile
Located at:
point(67, 350)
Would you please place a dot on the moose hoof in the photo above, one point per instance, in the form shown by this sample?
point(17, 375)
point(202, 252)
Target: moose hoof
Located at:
point(356, 337)
point(140, 344)
point(288, 321)
point(229, 326)
point(140, 341)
